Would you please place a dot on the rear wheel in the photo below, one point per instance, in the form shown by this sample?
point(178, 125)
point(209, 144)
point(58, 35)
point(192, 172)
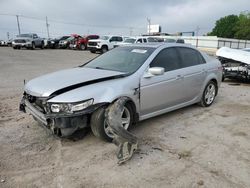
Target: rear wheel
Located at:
point(101, 129)
point(209, 94)
point(83, 47)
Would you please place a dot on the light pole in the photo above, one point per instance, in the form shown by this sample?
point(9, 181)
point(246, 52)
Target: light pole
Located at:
point(149, 26)
point(18, 25)
point(47, 25)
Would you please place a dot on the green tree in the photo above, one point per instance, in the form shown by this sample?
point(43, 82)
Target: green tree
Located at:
point(225, 27)
point(242, 28)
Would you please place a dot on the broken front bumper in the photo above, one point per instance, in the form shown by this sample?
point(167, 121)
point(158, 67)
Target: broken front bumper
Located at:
point(56, 122)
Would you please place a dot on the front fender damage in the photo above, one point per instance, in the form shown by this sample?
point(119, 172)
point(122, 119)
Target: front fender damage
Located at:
point(127, 143)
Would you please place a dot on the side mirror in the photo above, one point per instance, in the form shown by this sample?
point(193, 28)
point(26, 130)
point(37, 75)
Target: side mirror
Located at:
point(154, 71)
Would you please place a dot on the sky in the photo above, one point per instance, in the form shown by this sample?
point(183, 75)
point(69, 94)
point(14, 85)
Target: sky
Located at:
point(123, 17)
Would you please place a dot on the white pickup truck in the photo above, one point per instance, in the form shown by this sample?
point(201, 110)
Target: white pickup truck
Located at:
point(104, 43)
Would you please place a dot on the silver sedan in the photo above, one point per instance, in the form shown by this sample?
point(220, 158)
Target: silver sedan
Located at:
point(156, 78)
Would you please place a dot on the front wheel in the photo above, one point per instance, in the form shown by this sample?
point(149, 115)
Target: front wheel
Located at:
point(42, 45)
point(104, 49)
point(102, 130)
point(209, 94)
point(33, 46)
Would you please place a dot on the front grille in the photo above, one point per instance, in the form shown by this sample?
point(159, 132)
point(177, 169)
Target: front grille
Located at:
point(19, 41)
point(92, 43)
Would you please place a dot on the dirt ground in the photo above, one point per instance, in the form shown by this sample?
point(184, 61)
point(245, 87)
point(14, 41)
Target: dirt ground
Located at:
point(191, 147)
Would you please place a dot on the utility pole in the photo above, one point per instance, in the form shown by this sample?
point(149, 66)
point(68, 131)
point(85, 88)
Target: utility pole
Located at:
point(149, 26)
point(197, 30)
point(47, 25)
point(8, 36)
point(197, 34)
point(18, 25)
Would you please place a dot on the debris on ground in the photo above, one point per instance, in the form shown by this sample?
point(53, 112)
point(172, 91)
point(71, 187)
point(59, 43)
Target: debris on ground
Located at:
point(126, 142)
point(184, 154)
point(201, 182)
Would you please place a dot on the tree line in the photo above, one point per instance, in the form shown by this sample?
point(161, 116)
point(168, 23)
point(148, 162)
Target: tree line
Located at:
point(233, 26)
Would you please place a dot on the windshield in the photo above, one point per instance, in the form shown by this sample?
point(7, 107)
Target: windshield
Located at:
point(130, 40)
point(25, 35)
point(104, 37)
point(123, 59)
point(63, 38)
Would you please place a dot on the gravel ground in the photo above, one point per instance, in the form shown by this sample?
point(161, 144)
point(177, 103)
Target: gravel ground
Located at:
point(191, 147)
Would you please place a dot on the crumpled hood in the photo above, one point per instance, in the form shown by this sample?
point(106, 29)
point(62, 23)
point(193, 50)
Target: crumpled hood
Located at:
point(68, 79)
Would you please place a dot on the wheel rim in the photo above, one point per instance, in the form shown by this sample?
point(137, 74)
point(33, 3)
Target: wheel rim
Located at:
point(125, 123)
point(210, 94)
point(104, 50)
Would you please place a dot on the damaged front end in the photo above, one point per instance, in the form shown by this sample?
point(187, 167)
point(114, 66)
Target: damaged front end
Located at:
point(61, 119)
point(236, 70)
point(127, 143)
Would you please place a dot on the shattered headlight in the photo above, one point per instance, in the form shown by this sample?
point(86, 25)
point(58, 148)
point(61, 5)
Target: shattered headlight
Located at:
point(70, 107)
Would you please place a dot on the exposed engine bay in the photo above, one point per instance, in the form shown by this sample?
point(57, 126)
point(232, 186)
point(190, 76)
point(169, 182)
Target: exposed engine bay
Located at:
point(236, 63)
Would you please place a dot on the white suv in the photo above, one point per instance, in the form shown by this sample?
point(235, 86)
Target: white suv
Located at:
point(104, 43)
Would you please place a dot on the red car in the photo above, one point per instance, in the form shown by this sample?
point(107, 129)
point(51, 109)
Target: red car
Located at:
point(81, 43)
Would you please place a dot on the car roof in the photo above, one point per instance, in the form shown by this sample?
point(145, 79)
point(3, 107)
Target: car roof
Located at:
point(159, 44)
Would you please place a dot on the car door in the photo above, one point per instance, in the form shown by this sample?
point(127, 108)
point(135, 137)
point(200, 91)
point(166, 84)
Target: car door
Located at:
point(194, 73)
point(162, 91)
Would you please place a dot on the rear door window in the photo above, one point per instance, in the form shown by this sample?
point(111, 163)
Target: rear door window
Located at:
point(190, 57)
point(168, 58)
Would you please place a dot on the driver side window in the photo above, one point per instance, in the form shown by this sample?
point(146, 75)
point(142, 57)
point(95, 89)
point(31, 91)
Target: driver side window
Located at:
point(168, 58)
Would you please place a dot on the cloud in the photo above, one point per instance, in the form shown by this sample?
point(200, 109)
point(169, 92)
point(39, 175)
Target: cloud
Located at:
point(114, 16)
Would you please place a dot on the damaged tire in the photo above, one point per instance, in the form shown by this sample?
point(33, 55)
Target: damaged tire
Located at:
point(209, 94)
point(101, 129)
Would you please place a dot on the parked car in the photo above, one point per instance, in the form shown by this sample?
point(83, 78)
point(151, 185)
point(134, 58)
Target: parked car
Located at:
point(157, 78)
point(172, 40)
point(54, 43)
point(235, 62)
point(155, 39)
point(65, 43)
point(132, 40)
point(30, 41)
point(9, 42)
point(82, 43)
point(104, 43)
point(3, 43)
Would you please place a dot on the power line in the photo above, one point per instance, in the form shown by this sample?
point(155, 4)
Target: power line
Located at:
point(74, 23)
